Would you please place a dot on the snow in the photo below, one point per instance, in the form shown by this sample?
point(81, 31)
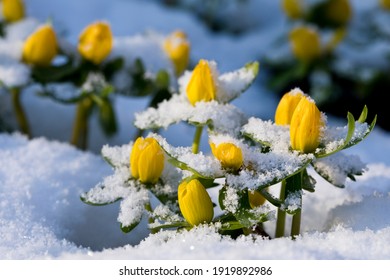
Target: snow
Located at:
point(42, 179)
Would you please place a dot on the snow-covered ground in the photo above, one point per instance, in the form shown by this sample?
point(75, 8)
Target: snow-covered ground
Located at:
point(42, 216)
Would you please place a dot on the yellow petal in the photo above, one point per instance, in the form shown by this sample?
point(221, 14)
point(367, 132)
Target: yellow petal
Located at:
point(146, 160)
point(95, 42)
point(339, 12)
point(305, 128)
point(293, 8)
point(13, 10)
point(40, 47)
point(228, 154)
point(177, 47)
point(201, 86)
point(286, 106)
point(305, 43)
point(195, 203)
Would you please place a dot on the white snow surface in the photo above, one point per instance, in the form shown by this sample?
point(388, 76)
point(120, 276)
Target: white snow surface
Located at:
point(41, 180)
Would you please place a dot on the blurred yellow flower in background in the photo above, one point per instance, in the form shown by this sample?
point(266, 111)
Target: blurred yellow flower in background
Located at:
point(305, 43)
point(177, 47)
point(13, 10)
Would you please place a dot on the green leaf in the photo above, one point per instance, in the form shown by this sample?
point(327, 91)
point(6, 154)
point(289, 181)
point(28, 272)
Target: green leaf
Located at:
point(107, 117)
point(171, 225)
point(52, 74)
point(308, 182)
point(112, 66)
point(363, 115)
point(129, 228)
point(86, 201)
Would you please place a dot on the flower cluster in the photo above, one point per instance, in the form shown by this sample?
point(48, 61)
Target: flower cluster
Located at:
point(324, 50)
point(93, 71)
point(249, 158)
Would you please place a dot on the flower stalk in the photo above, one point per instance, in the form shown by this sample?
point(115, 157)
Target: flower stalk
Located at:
point(20, 114)
point(281, 217)
point(196, 142)
point(80, 125)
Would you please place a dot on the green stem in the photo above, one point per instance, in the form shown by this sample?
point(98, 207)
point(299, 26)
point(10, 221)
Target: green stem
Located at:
point(195, 143)
point(294, 187)
point(296, 224)
point(21, 117)
point(281, 219)
point(80, 125)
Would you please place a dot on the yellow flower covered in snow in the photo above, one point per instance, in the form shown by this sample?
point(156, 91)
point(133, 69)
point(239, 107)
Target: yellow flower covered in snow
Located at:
point(195, 203)
point(255, 198)
point(201, 86)
point(293, 8)
point(305, 127)
point(305, 43)
point(40, 47)
point(228, 154)
point(95, 42)
point(385, 4)
point(146, 160)
point(287, 105)
point(177, 47)
point(13, 10)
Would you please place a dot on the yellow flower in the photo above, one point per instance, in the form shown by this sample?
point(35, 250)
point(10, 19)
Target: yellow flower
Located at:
point(201, 86)
point(146, 160)
point(305, 127)
point(40, 47)
point(338, 12)
point(95, 42)
point(228, 154)
point(177, 48)
point(13, 10)
point(255, 198)
point(195, 203)
point(385, 4)
point(293, 8)
point(305, 43)
point(286, 106)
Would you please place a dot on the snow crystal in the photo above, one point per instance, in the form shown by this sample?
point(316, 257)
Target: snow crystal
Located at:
point(117, 155)
point(231, 200)
point(337, 167)
point(293, 202)
point(132, 206)
point(206, 165)
point(276, 136)
point(13, 73)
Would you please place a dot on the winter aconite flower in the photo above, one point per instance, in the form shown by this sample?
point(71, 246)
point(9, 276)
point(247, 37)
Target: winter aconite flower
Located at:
point(228, 154)
point(338, 12)
point(195, 203)
point(385, 4)
point(146, 160)
point(177, 47)
point(287, 105)
point(305, 127)
point(41, 47)
point(95, 42)
point(293, 8)
point(13, 10)
point(305, 43)
point(255, 198)
point(201, 86)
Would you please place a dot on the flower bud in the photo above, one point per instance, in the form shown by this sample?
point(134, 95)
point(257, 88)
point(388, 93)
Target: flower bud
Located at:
point(146, 160)
point(255, 198)
point(201, 86)
point(177, 48)
point(95, 42)
point(385, 4)
point(40, 47)
point(338, 12)
point(293, 8)
point(13, 10)
point(228, 154)
point(305, 43)
point(195, 203)
point(287, 105)
point(305, 127)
